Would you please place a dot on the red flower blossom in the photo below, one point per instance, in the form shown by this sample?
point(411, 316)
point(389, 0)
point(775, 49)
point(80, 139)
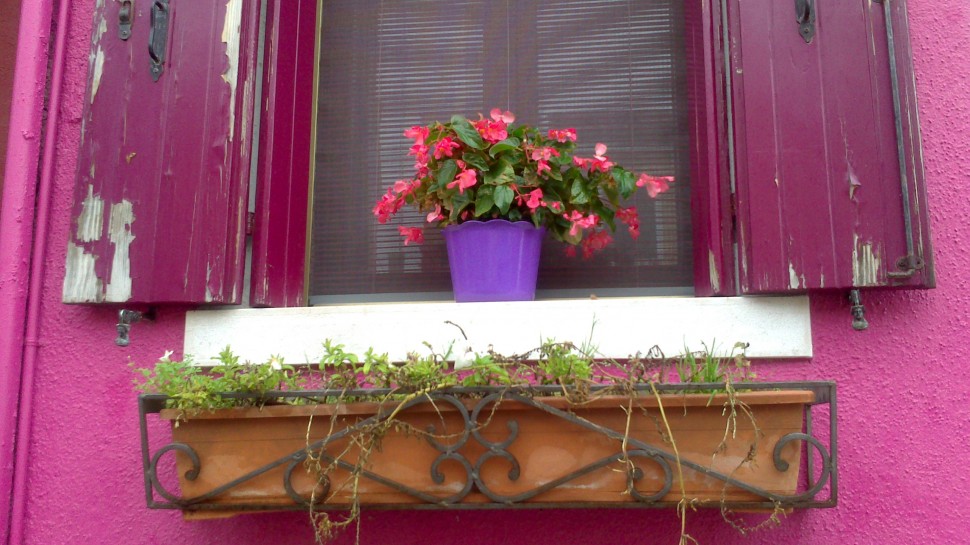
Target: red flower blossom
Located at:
point(580, 222)
point(655, 184)
point(594, 242)
point(387, 206)
point(411, 234)
point(563, 135)
point(445, 147)
point(464, 180)
point(631, 219)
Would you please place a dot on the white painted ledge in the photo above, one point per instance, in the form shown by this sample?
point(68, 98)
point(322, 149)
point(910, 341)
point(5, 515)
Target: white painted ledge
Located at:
point(775, 327)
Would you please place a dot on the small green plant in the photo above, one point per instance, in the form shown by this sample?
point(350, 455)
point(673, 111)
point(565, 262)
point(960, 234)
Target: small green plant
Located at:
point(562, 363)
point(191, 386)
point(705, 366)
point(486, 371)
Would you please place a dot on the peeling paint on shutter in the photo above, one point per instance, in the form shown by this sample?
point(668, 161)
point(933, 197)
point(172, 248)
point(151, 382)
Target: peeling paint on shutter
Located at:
point(819, 199)
point(162, 177)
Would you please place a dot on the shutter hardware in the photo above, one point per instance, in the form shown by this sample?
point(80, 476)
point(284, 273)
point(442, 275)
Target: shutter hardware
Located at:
point(158, 38)
point(859, 322)
point(124, 20)
point(805, 17)
point(126, 318)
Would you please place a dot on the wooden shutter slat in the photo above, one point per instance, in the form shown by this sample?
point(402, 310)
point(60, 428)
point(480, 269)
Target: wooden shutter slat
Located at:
point(161, 186)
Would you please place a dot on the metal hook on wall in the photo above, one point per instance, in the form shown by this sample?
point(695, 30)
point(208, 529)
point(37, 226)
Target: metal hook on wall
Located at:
point(127, 317)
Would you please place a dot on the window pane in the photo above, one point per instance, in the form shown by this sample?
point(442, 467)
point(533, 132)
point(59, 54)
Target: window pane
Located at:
point(612, 69)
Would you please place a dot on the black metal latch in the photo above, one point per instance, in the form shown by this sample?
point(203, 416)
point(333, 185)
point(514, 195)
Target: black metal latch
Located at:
point(805, 17)
point(124, 20)
point(158, 38)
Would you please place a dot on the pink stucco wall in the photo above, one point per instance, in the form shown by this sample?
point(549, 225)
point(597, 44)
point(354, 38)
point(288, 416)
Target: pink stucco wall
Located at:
point(904, 391)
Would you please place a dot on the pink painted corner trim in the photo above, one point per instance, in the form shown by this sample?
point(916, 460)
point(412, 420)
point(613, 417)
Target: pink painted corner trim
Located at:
point(23, 236)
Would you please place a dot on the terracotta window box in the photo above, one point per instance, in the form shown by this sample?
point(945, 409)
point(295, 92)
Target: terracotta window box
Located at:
point(529, 449)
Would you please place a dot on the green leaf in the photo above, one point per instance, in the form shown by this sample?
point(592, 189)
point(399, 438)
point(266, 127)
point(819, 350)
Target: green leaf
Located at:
point(458, 203)
point(501, 173)
point(625, 180)
point(484, 201)
point(504, 145)
point(475, 160)
point(467, 133)
point(578, 192)
point(503, 198)
point(446, 173)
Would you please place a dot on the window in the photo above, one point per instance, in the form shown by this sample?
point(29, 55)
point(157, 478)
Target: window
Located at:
point(798, 162)
point(613, 69)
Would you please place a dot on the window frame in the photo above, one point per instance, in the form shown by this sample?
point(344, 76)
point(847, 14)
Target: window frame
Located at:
point(283, 198)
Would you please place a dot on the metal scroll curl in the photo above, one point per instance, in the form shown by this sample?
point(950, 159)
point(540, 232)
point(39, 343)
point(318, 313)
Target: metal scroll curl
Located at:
point(192, 474)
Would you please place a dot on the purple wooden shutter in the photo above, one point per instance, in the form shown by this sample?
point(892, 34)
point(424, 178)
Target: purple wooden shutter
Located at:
point(710, 190)
point(282, 189)
point(819, 198)
point(161, 186)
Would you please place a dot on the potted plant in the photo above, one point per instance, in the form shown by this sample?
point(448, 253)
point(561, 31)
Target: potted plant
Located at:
point(552, 427)
point(496, 188)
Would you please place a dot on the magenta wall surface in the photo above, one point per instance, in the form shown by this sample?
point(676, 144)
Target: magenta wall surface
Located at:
point(904, 386)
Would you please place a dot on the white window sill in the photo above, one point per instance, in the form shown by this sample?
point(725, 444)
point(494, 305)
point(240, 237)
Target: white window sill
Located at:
point(775, 327)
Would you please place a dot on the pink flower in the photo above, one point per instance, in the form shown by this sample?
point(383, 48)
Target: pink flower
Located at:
point(387, 206)
point(600, 162)
point(655, 184)
point(594, 242)
point(491, 131)
point(580, 222)
point(406, 187)
point(631, 219)
point(498, 115)
point(562, 135)
point(445, 147)
point(411, 234)
point(464, 180)
point(420, 151)
point(418, 133)
point(535, 199)
point(436, 214)
point(542, 155)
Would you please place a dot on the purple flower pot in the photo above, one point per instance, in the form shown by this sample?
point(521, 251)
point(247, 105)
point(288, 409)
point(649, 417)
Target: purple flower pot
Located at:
point(494, 260)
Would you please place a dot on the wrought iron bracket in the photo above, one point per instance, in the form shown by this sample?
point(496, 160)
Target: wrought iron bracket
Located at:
point(820, 489)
